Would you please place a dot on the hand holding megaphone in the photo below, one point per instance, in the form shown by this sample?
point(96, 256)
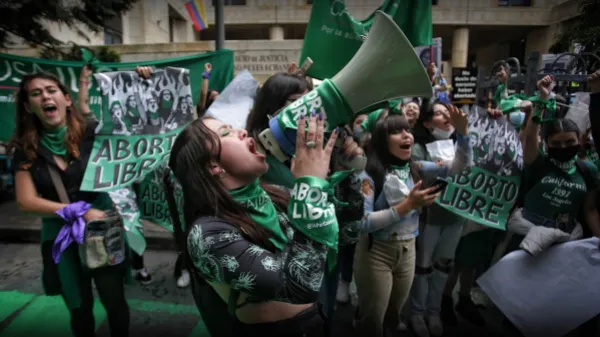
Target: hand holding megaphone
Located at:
point(376, 73)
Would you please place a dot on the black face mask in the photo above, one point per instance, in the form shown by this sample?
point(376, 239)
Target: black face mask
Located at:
point(563, 154)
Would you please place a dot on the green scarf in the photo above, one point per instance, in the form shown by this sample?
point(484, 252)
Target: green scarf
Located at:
point(544, 110)
point(54, 140)
point(403, 172)
point(261, 209)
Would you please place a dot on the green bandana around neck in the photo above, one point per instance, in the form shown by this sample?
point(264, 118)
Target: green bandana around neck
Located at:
point(568, 166)
point(166, 104)
point(54, 140)
point(403, 172)
point(260, 208)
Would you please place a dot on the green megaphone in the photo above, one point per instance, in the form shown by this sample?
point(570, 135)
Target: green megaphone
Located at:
point(385, 67)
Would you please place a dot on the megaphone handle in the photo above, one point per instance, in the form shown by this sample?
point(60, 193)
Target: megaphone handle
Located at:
point(358, 162)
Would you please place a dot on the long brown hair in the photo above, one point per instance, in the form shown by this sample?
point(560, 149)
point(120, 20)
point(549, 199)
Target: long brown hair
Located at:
point(29, 127)
point(203, 194)
point(380, 160)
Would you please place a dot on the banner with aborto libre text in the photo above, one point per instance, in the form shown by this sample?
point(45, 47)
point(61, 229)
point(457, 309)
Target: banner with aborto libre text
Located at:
point(486, 192)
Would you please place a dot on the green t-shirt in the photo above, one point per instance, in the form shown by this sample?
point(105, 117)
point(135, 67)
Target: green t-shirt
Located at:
point(556, 196)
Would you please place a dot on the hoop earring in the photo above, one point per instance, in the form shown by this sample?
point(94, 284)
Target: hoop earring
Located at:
point(222, 174)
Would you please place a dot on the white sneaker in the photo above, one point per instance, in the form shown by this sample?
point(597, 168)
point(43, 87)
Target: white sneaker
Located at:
point(343, 292)
point(402, 326)
point(183, 280)
point(480, 298)
point(419, 326)
point(435, 326)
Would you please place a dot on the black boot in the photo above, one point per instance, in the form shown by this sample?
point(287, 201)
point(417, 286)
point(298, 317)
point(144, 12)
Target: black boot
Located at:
point(447, 314)
point(468, 310)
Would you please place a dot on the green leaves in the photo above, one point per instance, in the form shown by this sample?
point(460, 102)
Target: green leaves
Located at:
point(26, 18)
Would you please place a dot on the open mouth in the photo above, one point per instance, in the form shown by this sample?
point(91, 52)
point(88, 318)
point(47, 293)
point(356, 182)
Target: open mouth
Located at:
point(49, 109)
point(253, 149)
point(405, 146)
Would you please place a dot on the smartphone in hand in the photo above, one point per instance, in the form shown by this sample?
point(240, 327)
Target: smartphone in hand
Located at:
point(440, 183)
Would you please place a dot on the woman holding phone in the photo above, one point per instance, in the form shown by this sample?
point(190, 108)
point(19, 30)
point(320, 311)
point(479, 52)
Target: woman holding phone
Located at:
point(395, 188)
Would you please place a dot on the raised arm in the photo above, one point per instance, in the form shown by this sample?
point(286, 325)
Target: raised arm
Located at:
point(204, 88)
point(83, 98)
point(532, 129)
point(463, 156)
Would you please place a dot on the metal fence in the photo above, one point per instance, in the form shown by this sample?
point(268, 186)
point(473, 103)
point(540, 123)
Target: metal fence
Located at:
point(571, 78)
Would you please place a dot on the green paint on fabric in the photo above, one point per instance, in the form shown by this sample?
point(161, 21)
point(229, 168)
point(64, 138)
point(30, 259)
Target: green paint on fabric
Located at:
point(11, 302)
point(48, 314)
point(162, 307)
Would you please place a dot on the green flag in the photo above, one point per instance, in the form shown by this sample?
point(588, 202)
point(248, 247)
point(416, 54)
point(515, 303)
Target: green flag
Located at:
point(332, 27)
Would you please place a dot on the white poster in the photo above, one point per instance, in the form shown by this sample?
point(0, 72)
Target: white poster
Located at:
point(235, 102)
point(548, 295)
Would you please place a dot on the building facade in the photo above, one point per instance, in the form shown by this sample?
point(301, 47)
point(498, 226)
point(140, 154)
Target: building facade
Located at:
point(267, 35)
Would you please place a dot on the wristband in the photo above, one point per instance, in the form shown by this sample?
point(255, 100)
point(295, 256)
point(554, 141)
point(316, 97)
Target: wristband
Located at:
point(206, 75)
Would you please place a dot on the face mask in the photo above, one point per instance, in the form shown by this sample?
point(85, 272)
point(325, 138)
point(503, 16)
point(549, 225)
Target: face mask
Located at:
point(563, 154)
point(517, 118)
point(442, 134)
point(357, 132)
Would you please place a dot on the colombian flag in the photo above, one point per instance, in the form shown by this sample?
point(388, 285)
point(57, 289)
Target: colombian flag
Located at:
point(197, 13)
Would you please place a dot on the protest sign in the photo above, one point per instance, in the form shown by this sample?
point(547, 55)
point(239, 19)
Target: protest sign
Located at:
point(13, 68)
point(138, 125)
point(153, 200)
point(235, 102)
point(125, 203)
point(464, 84)
point(486, 192)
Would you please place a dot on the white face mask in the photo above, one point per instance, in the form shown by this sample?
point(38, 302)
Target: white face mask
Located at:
point(442, 134)
point(517, 118)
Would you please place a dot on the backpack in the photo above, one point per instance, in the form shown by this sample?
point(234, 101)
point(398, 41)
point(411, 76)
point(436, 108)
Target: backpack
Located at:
point(527, 185)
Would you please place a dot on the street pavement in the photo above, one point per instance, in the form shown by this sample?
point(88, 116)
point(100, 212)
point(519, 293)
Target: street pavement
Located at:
point(157, 310)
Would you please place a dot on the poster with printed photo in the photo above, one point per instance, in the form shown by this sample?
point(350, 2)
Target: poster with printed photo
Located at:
point(138, 124)
point(486, 192)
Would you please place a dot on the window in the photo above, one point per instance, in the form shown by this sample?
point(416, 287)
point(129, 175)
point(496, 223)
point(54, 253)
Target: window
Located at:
point(515, 3)
point(230, 3)
point(113, 31)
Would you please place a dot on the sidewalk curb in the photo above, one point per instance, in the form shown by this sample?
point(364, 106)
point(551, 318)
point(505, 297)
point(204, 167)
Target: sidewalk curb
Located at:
point(154, 240)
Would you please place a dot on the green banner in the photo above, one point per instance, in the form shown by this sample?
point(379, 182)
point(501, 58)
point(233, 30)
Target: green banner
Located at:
point(12, 69)
point(486, 192)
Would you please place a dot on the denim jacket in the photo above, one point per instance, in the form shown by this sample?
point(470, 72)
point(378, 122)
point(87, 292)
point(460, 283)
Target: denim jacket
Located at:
point(381, 218)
